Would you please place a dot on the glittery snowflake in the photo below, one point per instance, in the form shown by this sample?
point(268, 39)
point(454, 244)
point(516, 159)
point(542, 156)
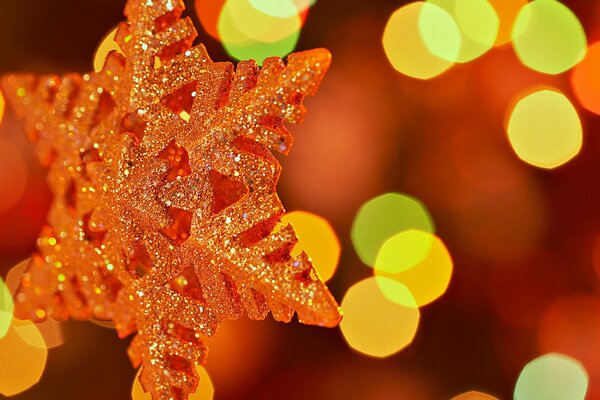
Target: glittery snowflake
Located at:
point(165, 206)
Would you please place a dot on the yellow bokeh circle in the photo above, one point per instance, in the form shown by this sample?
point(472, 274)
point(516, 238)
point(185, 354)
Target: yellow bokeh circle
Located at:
point(248, 33)
point(282, 8)
point(316, 238)
point(258, 25)
point(548, 37)
point(477, 23)
point(21, 363)
point(373, 323)
point(544, 129)
point(410, 33)
point(418, 260)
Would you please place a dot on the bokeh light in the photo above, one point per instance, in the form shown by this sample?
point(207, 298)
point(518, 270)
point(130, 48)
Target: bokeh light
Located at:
point(474, 395)
point(107, 45)
point(440, 34)
point(544, 129)
point(6, 308)
point(208, 12)
point(585, 79)
point(419, 261)
point(51, 331)
point(255, 24)
point(316, 238)
point(477, 23)
point(204, 391)
point(248, 33)
point(507, 11)
point(2, 106)
point(373, 323)
point(552, 377)
point(548, 37)
point(403, 251)
point(282, 9)
point(13, 175)
point(21, 363)
point(384, 216)
point(412, 31)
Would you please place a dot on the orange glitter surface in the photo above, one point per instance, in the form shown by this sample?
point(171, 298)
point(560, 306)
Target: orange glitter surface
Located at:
point(165, 194)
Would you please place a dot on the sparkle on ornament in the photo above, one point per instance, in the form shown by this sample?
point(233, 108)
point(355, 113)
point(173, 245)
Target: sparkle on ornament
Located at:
point(165, 204)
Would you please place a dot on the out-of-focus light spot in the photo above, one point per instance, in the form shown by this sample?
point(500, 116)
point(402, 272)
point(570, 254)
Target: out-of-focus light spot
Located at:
point(50, 330)
point(248, 33)
point(317, 239)
point(22, 364)
point(440, 34)
point(552, 377)
point(419, 261)
point(412, 31)
point(255, 24)
point(2, 106)
point(507, 11)
point(384, 216)
point(403, 251)
point(477, 24)
point(204, 391)
point(544, 129)
point(107, 45)
point(6, 308)
point(474, 395)
point(208, 12)
point(13, 175)
point(548, 37)
point(282, 9)
point(376, 325)
point(585, 79)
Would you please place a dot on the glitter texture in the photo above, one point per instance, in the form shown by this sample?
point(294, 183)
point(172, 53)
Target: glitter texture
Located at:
point(165, 197)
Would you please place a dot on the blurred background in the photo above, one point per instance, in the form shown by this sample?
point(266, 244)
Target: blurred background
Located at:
point(453, 148)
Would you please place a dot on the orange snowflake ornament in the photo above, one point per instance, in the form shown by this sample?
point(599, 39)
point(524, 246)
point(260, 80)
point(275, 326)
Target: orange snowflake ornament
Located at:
point(165, 203)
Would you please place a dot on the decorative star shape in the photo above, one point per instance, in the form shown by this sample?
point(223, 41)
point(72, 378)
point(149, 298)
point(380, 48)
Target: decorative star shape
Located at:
point(165, 202)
